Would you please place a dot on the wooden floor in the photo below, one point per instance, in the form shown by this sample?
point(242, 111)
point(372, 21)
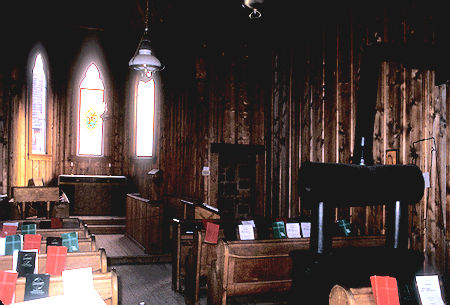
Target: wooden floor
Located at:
point(139, 281)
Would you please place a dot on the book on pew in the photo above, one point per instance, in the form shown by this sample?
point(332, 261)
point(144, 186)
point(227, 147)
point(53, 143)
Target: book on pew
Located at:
point(70, 240)
point(429, 289)
point(8, 281)
point(56, 223)
point(246, 232)
point(77, 281)
point(45, 224)
point(32, 241)
point(293, 230)
point(385, 290)
point(13, 242)
point(28, 228)
point(279, 229)
point(36, 286)
point(306, 229)
point(26, 262)
point(2, 245)
point(212, 232)
point(56, 259)
point(9, 228)
point(54, 241)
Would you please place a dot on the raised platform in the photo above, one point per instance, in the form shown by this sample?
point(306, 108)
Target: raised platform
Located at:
point(103, 224)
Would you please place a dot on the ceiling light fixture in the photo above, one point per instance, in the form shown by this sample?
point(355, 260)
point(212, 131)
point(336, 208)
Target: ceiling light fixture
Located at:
point(143, 60)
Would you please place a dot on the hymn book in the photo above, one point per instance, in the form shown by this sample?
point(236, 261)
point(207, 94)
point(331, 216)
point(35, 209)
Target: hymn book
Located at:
point(7, 286)
point(12, 243)
point(56, 260)
point(212, 232)
point(293, 230)
point(246, 232)
point(385, 290)
point(70, 240)
point(28, 228)
point(36, 286)
point(56, 223)
point(26, 262)
point(9, 228)
point(32, 241)
point(279, 230)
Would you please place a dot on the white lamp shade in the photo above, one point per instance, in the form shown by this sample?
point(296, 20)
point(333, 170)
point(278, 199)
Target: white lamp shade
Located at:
point(145, 60)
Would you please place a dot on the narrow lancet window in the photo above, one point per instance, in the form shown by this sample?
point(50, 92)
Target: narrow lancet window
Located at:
point(145, 113)
point(90, 110)
point(38, 108)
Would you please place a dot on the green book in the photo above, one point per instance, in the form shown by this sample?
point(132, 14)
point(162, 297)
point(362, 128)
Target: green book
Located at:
point(70, 240)
point(279, 229)
point(12, 242)
point(28, 228)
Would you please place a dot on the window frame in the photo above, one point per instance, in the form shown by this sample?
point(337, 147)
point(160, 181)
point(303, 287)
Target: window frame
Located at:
point(48, 155)
point(135, 106)
point(78, 109)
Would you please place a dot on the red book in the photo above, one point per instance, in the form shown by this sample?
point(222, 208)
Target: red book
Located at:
point(56, 260)
point(212, 232)
point(8, 230)
point(7, 286)
point(385, 290)
point(56, 223)
point(32, 241)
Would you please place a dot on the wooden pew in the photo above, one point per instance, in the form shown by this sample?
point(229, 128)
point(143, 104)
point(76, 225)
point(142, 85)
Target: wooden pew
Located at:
point(29, 194)
point(182, 244)
point(66, 222)
point(199, 262)
point(340, 295)
point(85, 244)
point(95, 259)
point(83, 232)
point(262, 266)
point(105, 283)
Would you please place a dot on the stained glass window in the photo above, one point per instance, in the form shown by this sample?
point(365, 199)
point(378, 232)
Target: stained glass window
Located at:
point(145, 113)
point(38, 107)
point(90, 110)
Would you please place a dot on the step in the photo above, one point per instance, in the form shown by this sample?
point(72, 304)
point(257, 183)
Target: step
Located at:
point(102, 220)
point(106, 229)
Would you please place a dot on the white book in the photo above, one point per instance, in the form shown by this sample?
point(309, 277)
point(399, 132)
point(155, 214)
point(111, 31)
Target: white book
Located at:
point(77, 281)
point(249, 222)
point(429, 289)
point(246, 232)
point(306, 229)
point(2, 245)
point(293, 230)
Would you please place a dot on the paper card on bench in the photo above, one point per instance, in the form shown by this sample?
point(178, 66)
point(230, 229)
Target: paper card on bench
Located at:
point(429, 289)
point(293, 230)
point(77, 281)
point(306, 229)
point(248, 222)
point(246, 232)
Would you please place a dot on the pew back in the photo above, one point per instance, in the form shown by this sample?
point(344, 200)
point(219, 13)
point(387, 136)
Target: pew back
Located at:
point(95, 259)
point(105, 283)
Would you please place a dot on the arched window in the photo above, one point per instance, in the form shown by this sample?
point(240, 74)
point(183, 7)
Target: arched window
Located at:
point(90, 109)
point(38, 108)
point(145, 114)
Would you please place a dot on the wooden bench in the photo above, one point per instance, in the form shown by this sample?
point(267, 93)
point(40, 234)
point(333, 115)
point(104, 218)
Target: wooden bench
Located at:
point(199, 262)
point(181, 245)
point(262, 266)
point(95, 259)
point(86, 244)
point(83, 232)
point(30, 194)
point(106, 285)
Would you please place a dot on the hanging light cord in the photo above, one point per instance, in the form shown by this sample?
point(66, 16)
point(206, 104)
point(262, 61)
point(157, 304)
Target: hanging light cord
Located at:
point(147, 16)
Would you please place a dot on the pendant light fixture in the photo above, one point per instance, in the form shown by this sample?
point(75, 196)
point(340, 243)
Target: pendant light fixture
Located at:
point(143, 60)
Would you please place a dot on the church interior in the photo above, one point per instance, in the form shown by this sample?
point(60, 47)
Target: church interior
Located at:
point(227, 152)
